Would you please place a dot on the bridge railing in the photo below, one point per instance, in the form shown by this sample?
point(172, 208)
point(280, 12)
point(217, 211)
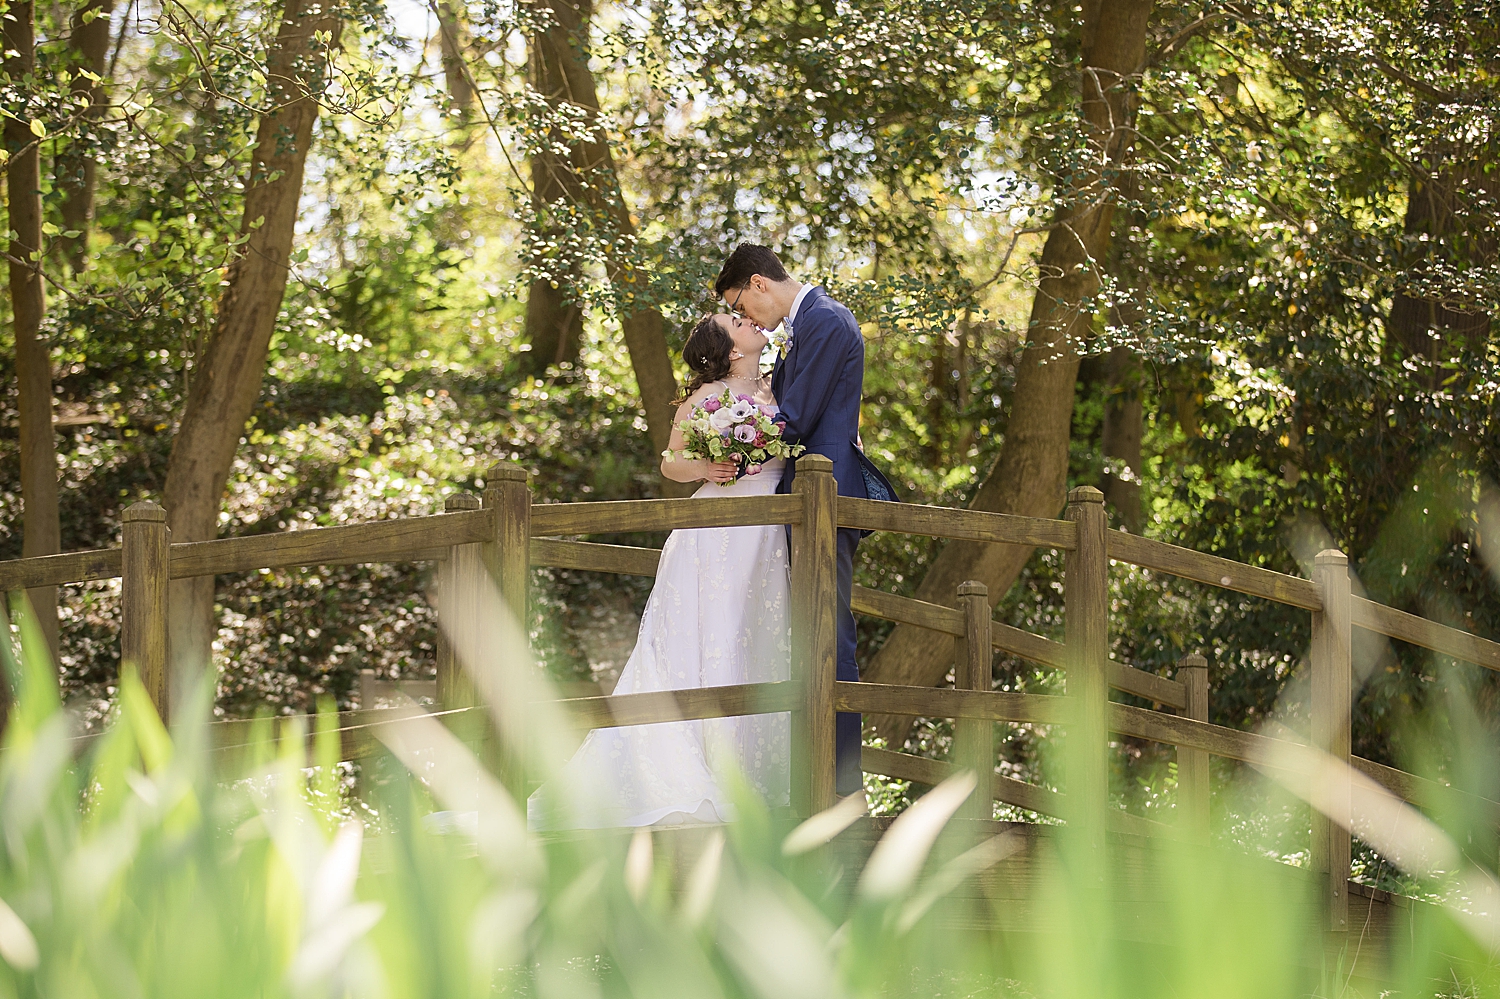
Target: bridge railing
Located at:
point(504, 534)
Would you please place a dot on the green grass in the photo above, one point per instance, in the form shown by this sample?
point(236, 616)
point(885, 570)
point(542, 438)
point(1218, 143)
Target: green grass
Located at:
point(130, 868)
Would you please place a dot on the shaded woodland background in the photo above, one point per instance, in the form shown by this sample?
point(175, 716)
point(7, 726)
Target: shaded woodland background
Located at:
point(289, 264)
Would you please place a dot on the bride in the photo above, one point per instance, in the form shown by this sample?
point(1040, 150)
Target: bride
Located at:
point(716, 615)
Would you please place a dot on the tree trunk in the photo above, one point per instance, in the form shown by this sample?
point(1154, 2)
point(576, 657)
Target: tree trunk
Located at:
point(1030, 476)
point(1124, 430)
point(451, 33)
point(587, 179)
point(74, 167)
point(42, 534)
point(1434, 208)
point(226, 379)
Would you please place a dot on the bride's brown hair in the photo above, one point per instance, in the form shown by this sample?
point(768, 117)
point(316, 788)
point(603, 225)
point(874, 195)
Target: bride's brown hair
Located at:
point(707, 354)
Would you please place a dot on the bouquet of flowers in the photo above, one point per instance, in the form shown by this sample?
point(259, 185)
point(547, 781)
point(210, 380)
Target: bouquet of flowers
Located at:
point(734, 428)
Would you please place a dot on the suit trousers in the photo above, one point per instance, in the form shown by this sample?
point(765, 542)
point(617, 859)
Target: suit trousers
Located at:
point(848, 772)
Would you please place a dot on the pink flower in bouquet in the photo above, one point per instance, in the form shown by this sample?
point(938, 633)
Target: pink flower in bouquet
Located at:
point(760, 440)
point(753, 470)
point(744, 433)
point(711, 404)
point(745, 398)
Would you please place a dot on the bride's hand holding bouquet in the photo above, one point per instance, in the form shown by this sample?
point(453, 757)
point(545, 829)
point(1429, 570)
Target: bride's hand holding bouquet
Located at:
point(730, 429)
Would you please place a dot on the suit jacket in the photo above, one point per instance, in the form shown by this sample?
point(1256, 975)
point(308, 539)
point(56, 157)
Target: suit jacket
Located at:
point(818, 383)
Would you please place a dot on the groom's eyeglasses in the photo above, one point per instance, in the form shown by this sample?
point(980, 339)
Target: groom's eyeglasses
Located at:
point(734, 307)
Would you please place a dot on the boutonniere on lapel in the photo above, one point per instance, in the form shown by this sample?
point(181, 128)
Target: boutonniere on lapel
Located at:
point(781, 339)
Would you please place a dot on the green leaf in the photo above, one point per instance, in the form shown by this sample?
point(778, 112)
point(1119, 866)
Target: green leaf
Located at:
point(37, 128)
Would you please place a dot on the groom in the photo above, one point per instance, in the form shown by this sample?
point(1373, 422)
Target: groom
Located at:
point(818, 382)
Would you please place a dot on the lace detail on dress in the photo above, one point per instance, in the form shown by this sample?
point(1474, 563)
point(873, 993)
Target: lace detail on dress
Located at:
point(717, 615)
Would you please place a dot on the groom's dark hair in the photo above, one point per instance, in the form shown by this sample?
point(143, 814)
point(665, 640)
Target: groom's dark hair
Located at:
point(748, 260)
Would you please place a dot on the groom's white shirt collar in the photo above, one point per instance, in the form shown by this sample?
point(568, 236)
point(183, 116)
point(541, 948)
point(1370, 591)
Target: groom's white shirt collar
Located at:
point(791, 317)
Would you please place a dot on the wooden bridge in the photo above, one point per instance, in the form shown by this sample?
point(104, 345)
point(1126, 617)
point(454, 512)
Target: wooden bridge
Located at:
point(506, 534)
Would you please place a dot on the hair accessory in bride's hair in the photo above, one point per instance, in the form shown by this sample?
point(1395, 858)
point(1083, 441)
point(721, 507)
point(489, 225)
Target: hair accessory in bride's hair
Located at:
point(707, 353)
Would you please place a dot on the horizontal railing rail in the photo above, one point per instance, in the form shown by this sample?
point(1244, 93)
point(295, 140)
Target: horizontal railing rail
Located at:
point(55, 570)
point(1419, 631)
point(431, 539)
point(960, 525)
point(628, 516)
point(351, 544)
point(689, 704)
point(593, 557)
point(1213, 570)
point(1007, 790)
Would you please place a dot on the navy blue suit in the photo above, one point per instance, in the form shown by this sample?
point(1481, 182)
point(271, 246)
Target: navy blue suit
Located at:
point(818, 383)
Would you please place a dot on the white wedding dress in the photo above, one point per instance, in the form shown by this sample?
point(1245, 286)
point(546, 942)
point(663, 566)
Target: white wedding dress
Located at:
point(717, 615)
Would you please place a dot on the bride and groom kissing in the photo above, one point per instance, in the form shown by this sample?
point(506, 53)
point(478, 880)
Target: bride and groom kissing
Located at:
point(718, 612)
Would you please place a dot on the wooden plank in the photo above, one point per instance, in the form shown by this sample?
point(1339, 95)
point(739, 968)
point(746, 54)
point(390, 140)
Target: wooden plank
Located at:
point(380, 541)
point(52, 570)
point(1193, 789)
point(814, 596)
point(1332, 664)
point(1427, 634)
point(963, 525)
point(1004, 638)
point(904, 766)
point(1213, 570)
point(1148, 685)
point(1042, 800)
point(938, 702)
point(973, 740)
point(356, 730)
point(615, 516)
point(1086, 598)
point(657, 706)
point(143, 600)
point(591, 557)
point(1182, 731)
point(1031, 647)
point(907, 610)
point(1425, 793)
point(461, 563)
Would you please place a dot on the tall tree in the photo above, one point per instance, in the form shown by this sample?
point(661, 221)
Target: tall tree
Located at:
point(23, 134)
point(455, 75)
point(1030, 475)
point(226, 380)
point(1443, 210)
point(575, 185)
point(75, 168)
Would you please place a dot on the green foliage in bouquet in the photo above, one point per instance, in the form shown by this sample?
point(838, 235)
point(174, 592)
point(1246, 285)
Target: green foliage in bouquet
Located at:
point(729, 427)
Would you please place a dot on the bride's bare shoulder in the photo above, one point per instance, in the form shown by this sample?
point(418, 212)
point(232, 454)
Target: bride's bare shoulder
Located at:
point(696, 397)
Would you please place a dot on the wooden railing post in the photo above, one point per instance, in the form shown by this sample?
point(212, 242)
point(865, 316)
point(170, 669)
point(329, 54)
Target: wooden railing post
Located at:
point(464, 562)
point(1332, 690)
point(507, 491)
point(144, 570)
point(1087, 630)
point(974, 739)
point(1192, 764)
point(814, 635)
